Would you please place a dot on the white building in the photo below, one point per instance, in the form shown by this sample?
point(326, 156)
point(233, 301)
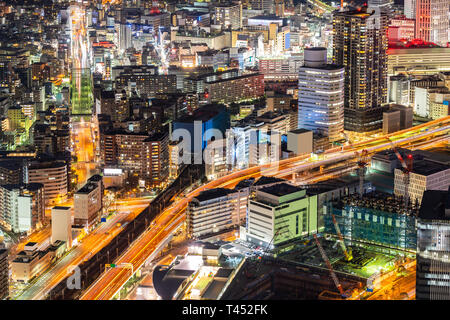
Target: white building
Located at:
point(424, 98)
point(215, 157)
point(22, 207)
point(432, 22)
point(239, 138)
point(426, 175)
point(216, 210)
point(62, 225)
point(88, 202)
point(321, 95)
point(409, 9)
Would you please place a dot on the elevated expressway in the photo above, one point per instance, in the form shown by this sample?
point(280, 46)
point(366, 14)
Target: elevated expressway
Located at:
point(111, 281)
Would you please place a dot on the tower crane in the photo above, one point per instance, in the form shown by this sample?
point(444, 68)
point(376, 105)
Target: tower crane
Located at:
point(347, 253)
point(248, 274)
point(406, 169)
point(330, 268)
point(362, 166)
point(362, 163)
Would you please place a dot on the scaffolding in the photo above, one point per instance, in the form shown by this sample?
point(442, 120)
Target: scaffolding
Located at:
point(374, 220)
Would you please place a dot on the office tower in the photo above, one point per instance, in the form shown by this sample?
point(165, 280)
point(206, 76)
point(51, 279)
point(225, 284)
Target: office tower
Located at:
point(409, 9)
point(199, 128)
point(124, 36)
point(321, 95)
point(4, 274)
point(384, 6)
point(433, 247)
point(432, 23)
point(359, 44)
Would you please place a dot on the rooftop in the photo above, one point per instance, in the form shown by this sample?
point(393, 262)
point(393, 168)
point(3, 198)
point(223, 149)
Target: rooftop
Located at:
point(434, 204)
point(299, 130)
point(87, 188)
point(204, 113)
point(281, 189)
point(427, 168)
point(266, 180)
point(61, 208)
point(213, 194)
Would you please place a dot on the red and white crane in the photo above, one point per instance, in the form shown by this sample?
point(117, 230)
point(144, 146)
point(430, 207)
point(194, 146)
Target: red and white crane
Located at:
point(347, 253)
point(330, 268)
point(406, 169)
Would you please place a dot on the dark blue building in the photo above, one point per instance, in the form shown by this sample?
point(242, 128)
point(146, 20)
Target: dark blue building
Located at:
point(209, 121)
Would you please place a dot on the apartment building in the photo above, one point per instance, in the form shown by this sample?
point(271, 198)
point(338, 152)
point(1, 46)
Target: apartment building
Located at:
point(243, 87)
point(22, 206)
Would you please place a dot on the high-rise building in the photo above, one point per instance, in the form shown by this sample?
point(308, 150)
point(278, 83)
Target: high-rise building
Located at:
point(433, 247)
point(53, 175)
point(199, 128)
point(360, 44)
point(432, 23)
point(409, 9)
point(321, 95)
point(140, 153)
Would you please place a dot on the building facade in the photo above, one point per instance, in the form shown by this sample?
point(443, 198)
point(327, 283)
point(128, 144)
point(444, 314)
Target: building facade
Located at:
point(360, 44)
point(53, 175)
point(426, 175)
point(280, 214)
point(216, 210)
point(432, 23)
point(433, 247)
point(22, 206)
point(87, 202)
point(321, 95)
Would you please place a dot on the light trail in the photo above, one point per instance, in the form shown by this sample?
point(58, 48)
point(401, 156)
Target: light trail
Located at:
point(110, 282)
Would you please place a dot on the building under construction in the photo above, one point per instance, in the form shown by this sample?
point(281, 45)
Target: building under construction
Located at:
point(316, 270)
point(379, 220)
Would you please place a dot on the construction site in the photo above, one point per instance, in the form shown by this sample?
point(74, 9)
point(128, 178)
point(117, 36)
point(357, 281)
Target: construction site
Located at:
point(319, 268)
point(378, 220)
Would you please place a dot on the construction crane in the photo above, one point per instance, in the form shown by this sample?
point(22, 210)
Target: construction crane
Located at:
point(406, 169)
point(330, 268)
point(362, 163)
point(258, 267)
point(362, 166)
point(347, 253)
